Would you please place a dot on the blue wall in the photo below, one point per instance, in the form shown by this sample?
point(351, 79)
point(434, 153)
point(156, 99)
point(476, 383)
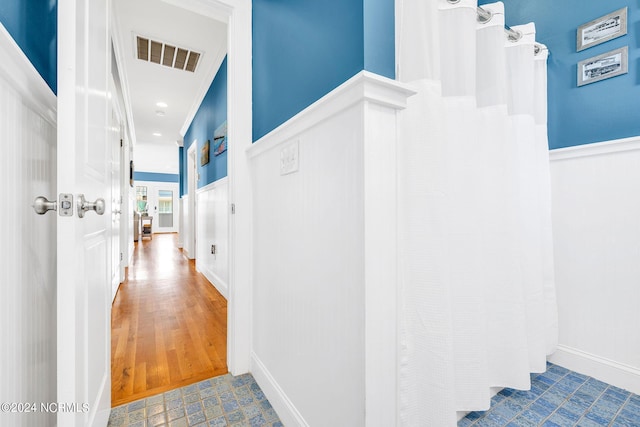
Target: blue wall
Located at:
point(379, 37)
point(156, 177)
point(303, 49)
point(601, 111)
point(33, 25)
point(211, 114)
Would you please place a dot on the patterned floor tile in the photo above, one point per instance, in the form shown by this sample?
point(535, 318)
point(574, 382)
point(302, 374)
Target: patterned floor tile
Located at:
point(216, 402)
point(560, 398)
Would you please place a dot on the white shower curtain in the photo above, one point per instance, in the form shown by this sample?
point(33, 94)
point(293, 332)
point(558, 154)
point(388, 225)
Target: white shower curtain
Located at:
point(476, 273)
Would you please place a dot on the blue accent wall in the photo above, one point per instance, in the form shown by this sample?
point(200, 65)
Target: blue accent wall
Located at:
point(156, 177)
point(601, 111)
point(302, 50)
point(211, 114)
point(379, 37)
point(33, 24)
point(181, 169)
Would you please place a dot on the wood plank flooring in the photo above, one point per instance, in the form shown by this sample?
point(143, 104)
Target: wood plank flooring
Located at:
point(168, 324)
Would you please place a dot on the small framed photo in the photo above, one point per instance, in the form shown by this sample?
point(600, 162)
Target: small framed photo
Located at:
point(220, 139)
point(204, 155)
point(610, 64)
point(602, 29)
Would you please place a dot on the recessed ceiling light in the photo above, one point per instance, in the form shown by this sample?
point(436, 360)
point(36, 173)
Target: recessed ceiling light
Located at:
point(160, 113)
point(161, 104)
point(157, 134)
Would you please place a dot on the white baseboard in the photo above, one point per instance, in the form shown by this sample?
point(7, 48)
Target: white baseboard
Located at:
point(217, 282)
point(285, 409)
point(185, 252)
point(609, 371)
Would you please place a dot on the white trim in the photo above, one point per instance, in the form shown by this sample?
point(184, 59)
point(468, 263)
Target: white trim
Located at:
point(609, 371)
point(239, 119)
point(20, 72)
point(215, 280)
point(596, 149)
point(213, 185)
point(364, 86)
point(283, 406)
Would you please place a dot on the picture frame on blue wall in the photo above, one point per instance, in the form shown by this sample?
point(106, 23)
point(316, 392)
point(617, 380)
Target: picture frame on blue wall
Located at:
point(605, 66)
point(600, 30)
point(220, 139)
point(204, 156)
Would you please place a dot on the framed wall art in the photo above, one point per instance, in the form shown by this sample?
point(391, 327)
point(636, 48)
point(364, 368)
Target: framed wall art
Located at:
point(220, 139)
point(607, 65)
point(204, 156)
point(602, 29)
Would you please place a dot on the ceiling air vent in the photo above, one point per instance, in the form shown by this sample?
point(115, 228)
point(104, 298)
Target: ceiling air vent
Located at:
point(166, 54)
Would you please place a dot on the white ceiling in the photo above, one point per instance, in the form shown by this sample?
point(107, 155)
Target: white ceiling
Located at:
point(149, 83)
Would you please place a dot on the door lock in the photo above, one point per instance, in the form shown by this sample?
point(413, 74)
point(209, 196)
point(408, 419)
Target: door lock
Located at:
point(83, 206)
point(41, 205)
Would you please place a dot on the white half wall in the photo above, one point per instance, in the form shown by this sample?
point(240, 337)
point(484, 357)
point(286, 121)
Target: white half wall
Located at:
point(28, 261)
point(324, 270)
point(596, 224)
point(213, 234)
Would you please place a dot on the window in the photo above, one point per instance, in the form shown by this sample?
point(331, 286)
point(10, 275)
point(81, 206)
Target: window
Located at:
point(165, 202)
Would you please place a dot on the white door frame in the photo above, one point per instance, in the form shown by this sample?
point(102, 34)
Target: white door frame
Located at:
point(190, 242)
point(237, 15)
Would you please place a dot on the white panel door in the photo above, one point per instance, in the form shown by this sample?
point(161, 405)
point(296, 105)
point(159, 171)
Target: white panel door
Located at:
point(84, 244)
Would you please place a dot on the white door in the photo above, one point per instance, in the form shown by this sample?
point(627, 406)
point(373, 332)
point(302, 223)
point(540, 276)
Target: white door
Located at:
point(84, 244)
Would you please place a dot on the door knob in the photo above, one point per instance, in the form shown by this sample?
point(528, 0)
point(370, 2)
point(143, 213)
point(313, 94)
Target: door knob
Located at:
point(83, 206)
point(41, 205)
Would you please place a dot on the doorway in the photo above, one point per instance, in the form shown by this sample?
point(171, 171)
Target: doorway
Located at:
point(237, 15)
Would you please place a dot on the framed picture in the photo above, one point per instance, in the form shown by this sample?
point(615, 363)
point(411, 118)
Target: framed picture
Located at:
point(220, 139)
point(204, 156)
point(610, 64)
point(602, 29)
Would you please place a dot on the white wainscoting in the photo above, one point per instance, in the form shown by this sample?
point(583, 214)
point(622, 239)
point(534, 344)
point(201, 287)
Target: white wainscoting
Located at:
point(213, 229)
point(324, 272)
point(596, 225)
point(28, 261)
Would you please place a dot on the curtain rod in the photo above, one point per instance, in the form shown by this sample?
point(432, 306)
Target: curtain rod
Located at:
point(485, 16)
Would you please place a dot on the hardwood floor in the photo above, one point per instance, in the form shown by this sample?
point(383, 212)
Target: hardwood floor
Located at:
point(168, 324)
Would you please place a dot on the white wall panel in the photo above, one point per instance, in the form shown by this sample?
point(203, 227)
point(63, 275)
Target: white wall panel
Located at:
point(596, 221)
point(308, 271)
point(28, 261)
point(213, 229)
point(324, 269)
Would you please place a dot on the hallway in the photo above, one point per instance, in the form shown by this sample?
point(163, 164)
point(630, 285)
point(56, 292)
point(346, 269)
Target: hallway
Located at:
point(169, 325)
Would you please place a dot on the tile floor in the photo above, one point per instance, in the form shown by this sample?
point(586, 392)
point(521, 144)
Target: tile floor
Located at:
point(216, 402)
point(560, 398)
